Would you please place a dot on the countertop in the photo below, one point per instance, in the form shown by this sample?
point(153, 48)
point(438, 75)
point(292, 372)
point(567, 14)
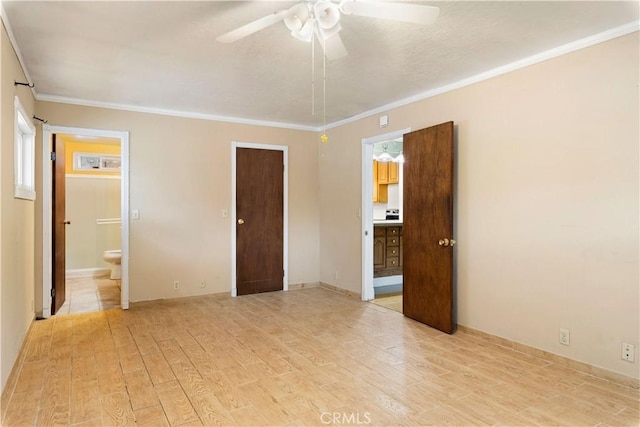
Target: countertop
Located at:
point(386, 222)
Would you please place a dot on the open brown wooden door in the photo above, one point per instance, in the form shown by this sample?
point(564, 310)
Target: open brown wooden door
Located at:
point(59, 225)
point(428, 294)
point(260, 220)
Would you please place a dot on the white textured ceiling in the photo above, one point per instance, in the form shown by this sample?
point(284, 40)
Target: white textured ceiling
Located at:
point(163, 55)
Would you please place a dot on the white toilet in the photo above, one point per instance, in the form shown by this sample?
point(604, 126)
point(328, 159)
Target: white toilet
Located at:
point(114, 258)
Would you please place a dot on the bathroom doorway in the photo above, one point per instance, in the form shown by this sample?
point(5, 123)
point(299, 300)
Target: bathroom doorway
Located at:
point(92, 240)
point(89, 252)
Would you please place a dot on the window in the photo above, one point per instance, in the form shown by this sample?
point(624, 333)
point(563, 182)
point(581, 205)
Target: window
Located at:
point(24, 132)
point(103, 163)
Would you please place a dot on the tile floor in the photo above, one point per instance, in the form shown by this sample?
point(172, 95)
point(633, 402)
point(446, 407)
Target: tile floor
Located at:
point(88, 294)
point(307, 357)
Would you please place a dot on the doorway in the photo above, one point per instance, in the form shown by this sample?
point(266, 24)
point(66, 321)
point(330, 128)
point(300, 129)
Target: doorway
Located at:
point(259, 249)
point(368, 292)
point(92, 201)
point(387, 223)
point(427, 258)
point(114, 227)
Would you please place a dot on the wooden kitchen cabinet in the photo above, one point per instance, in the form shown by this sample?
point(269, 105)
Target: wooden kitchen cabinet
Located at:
point(379, 248)
point(388, 172)
point(387, 250)
point(393, 173)
point(380, 192)
point(383, 172)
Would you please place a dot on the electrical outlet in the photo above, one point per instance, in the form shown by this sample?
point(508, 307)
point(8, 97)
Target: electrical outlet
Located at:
point(203, 284)
point(176, 285)
point(564, 336)
point(628, 352)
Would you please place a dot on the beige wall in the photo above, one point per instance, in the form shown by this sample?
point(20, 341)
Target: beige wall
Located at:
point(180, 180)
point(547, 208)
point(87, 200)
point(547, 201)
point(16, 221)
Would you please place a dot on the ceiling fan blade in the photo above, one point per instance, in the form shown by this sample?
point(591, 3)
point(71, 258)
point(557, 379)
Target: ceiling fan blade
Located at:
point(252, 27)
point(405, 12)
point(333, 47)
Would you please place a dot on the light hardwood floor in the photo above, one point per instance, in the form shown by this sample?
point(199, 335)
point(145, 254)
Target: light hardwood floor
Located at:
point(307, 357)
point(391, 301)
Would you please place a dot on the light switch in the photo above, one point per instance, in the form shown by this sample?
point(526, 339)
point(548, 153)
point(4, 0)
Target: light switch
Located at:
point(135, 214)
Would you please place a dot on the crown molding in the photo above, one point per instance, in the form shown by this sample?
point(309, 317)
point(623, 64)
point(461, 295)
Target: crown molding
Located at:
point(174, 113)
point(525, 62)
point(504, 69)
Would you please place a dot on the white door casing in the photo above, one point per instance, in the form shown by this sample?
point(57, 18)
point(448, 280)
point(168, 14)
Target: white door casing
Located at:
point(367, 208)
point(47, 256)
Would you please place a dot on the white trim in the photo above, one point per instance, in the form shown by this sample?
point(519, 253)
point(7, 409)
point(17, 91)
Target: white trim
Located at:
point(173, 113)
point(85, 176)
point(522, 63)
point(388, 280)
point(87, 272)
point(24, 155)
point(285, 209)
point(367, 208)
point(504, 69)
point(106, 221)
point(123, 136)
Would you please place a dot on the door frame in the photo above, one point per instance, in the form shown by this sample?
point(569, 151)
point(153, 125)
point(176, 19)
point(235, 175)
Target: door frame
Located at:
point(47, 191)
point(367, 208)
point(285, 210)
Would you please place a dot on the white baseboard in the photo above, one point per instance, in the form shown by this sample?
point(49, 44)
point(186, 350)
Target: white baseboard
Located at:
point(387, 280)
point(88, 272)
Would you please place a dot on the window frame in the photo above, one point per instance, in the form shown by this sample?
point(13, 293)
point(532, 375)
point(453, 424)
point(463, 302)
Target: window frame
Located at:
point(24, 135)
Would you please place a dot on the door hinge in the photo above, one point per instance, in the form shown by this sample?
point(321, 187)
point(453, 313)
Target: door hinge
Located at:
point(53, 156)
point(53, 293)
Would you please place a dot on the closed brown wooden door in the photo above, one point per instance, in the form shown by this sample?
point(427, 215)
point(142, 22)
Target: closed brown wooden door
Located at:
point(260, 220)
point(428, 294)
point(59, 225)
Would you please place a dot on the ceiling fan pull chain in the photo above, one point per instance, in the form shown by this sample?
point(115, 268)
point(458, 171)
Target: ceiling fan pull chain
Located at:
point(313, 78)
point(324, 137)
point(324, 86)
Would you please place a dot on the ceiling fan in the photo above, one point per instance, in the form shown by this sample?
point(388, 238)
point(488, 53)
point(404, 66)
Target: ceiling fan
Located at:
point(322, 19)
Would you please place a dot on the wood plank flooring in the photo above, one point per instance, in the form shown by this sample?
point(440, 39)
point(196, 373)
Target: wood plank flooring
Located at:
point(391, 301)
point(307, 357)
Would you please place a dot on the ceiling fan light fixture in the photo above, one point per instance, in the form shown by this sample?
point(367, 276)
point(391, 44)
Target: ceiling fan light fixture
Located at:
point(327, 14)
point(296, 17)
point(306, 32)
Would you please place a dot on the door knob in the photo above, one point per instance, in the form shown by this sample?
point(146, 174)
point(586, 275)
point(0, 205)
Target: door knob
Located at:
point(443, 242)
point(241, 221)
